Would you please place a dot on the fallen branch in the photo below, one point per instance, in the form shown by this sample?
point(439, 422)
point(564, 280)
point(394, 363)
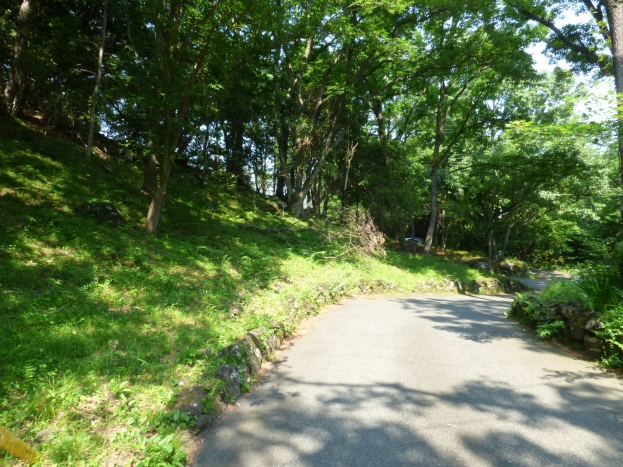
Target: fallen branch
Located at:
point(277, 231)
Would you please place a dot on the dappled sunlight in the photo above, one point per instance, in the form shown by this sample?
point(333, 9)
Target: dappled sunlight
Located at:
point(349, 424)
point(447, 380)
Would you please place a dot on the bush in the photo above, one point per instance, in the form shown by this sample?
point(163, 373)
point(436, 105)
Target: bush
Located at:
point(600, 290)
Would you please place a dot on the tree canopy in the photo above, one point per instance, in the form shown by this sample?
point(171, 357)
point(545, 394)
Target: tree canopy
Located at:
point(429, 114)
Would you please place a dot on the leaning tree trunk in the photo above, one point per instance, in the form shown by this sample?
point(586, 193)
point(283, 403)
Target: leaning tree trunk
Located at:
point(15, 85)
point(507, 237)
point(98, 80)
point(151, 174)
point(615, 17)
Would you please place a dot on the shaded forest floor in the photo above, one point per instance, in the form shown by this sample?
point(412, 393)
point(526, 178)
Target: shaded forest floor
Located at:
point(99, 324)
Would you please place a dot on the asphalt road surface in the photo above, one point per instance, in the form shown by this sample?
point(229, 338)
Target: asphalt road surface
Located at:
point(541, 278)
point(429, 380)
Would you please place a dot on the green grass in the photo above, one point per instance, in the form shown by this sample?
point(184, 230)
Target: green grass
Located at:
point(99, 324)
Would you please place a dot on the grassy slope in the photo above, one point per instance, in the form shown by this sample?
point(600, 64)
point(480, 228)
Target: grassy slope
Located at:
point(99, 324)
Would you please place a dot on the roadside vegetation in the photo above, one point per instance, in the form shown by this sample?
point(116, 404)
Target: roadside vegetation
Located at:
point(100, 324)
point(176, 173)
point(585, 312)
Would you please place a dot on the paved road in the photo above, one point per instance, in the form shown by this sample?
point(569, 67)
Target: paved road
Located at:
point(423, 381)
point(541, 278)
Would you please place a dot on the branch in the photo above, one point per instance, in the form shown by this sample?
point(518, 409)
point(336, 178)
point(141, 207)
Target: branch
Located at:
point(579, 48)
point(277, 231)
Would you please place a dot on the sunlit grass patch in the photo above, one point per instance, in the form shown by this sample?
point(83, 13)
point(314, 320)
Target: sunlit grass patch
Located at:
point(100, 325)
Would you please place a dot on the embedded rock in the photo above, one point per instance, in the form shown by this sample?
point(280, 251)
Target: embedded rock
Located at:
point(231, 376)
point(254, 354)
point(577, 328)
point(190, 400)
point(106, 212)
point(232, 350)
point(203, 422)
point(45, 435)
point(593, 346)
point(594, 324)
point(271, 343)
point(245, 373)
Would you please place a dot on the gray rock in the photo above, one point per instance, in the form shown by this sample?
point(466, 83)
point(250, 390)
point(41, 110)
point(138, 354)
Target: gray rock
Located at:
point(218, 408)
point(203, 422)
point(235, 309)
point(572, 312)
point(186, 438)
point(593, 346)
point(577, 327)
point(232, 350)
point(271, 343)
point(254, 354)
point(190, 400)
point(45, 435)
point(230, 375)
point(106, 212)
point(245, 373)
point(594, 324)
point(480, 265)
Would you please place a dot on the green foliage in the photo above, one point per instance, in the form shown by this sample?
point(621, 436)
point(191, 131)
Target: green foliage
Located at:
point(599, 292)
point(100, 324)
point(547, 330)
point(161, 451)
point(612, 335)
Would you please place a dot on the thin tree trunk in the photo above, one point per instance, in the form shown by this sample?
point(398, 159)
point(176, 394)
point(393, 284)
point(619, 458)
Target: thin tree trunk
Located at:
point(156, 208)
point(434, 212)
point(98, 80)
point(491, 241)
point(444, 238)
point(434, 206)
point(205, 156)
point(15, 85)
point(506, 238)
point(615, 18)
point(491, 236)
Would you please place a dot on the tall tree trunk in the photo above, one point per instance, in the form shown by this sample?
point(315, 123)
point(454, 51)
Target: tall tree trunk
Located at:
point(235, 161)
point(491, 241)
point(15, 86)
point(615, 18)
point(434, 211)
point(98, 80)
point(491, 234)
point(281, 166)
point(377, 108)
point(205, 156)
point(434, 206)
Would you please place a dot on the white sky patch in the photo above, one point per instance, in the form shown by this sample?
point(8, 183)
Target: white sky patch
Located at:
point(599, 105)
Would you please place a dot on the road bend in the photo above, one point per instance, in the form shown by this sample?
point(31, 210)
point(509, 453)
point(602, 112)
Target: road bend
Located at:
point(428, 380)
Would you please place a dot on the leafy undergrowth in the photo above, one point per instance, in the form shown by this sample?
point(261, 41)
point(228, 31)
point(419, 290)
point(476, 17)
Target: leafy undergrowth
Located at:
point(99, 324)
point(597, 295)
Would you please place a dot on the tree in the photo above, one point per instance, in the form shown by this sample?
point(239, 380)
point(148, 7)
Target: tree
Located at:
point(98, 79)
point(475, 49)
point(586, 45)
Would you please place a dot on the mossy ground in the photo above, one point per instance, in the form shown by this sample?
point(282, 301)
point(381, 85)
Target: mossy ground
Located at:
point(99, 324)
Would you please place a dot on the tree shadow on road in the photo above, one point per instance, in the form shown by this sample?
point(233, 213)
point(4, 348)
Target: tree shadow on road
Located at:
point(477, 423)
point(479, 320)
